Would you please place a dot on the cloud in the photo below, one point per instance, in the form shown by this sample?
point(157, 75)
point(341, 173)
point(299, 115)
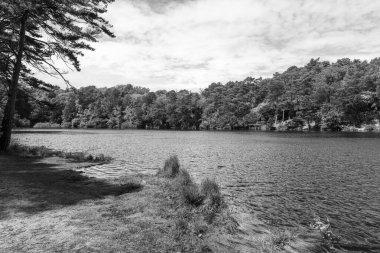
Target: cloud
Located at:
point(192, 43)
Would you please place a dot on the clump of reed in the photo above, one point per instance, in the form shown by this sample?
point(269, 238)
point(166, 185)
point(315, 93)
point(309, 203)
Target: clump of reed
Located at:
point(199, 208)
point(171, 167)
point(191, 194)
point(207, 195)
point(42, 151)
point(210, 189)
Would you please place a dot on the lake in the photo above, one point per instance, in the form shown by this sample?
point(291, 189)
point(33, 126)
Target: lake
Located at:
point(281, 179)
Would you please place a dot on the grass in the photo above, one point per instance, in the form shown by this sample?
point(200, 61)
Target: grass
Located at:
point(276, 242)
point(183, 177)
point(281, 238)
point(200, 210)
point(70, 212)
point(191, 195)
point(210, 189)
point(171, 167)
point(42, 151)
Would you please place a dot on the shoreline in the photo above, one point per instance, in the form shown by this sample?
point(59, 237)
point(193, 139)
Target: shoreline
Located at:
point(86, 211)
point(346, 129)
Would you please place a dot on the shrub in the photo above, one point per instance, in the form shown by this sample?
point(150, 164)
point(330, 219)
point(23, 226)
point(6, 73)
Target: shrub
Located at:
point(171, 166)
point(75, 123)
point(369, 128)
point(46, 125)
point(191, 195)
point(20, 122)
point(66, 125)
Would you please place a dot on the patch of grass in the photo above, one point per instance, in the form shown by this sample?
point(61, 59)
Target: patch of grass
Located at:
point(280, 238)
point(266, 246)
point(191, 195)
point(171, 167)
point(200, 228)
point(183, 177)
point(276, 241)
point(210, 189)
point(42, 151)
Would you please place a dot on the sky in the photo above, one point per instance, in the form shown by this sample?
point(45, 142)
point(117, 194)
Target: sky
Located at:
point(188, 44)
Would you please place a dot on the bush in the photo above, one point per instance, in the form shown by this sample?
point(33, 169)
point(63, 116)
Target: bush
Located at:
point(369, 128)
point(171, 166)
point(46, 125)
point(75, 123)
point(20, 122)
point(66, 125)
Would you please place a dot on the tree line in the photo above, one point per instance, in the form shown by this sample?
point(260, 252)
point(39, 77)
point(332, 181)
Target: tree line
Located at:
point(35, 34)
point(319, 95)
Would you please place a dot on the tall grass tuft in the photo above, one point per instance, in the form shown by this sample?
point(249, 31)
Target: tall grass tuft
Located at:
point(183, 178)
point(171, 166)
point(191, 195)
point(210, 189)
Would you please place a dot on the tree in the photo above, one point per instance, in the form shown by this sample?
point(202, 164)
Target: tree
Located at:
point(33, 33)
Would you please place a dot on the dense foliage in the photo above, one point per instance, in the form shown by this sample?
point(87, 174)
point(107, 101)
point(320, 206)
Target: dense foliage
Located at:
point(33, 35)
point(318, 95)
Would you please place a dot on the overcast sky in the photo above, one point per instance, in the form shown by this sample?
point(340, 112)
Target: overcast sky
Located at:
point(188, 44)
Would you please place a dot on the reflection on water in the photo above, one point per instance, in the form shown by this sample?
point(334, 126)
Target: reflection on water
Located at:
point(281, 178)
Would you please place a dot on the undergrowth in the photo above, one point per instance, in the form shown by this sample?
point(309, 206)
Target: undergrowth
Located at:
point(42, 151)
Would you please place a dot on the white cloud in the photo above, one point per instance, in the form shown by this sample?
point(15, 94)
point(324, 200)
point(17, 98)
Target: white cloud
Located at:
point(189, 44)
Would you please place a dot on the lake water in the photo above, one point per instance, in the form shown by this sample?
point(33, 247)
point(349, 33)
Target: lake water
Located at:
point(281, 179)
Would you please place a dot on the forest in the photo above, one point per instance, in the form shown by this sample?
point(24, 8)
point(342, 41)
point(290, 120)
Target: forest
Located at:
point(318, 96)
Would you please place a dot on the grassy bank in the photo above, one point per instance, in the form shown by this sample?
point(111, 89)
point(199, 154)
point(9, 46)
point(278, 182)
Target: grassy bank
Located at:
point(42, 151)
point(47, 206)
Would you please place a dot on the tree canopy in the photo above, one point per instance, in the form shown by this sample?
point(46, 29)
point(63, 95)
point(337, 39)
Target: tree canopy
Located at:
point(35, 35)
point(318, 95)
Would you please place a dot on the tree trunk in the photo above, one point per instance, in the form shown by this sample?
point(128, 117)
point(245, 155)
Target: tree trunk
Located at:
point(283, 115)
point(9, 111)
